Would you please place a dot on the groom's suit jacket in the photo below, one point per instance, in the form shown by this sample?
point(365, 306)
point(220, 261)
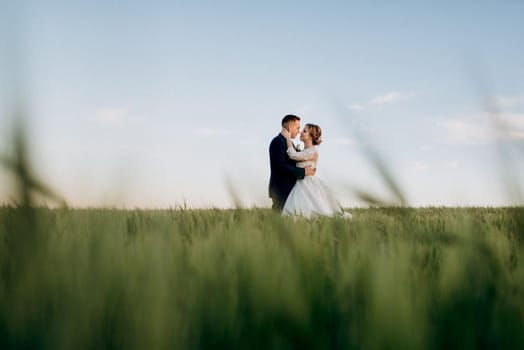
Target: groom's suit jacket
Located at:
point(284, 172)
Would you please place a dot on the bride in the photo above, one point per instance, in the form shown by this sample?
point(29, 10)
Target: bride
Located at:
point(309, 197)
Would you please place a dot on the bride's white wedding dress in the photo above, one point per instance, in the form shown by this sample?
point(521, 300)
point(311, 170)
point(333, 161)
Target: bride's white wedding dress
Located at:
point(310, 197)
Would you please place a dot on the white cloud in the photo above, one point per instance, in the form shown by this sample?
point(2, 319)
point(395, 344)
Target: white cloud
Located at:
point(510, 101)
point(389, 97)
point(481, 128)
point(344, 141)
point(380, 100)
point(515, 119)
point(209, 132)
point(356, 107)
point(426, 148)
point(451, 164)
point(112, 117)
point(419, 166)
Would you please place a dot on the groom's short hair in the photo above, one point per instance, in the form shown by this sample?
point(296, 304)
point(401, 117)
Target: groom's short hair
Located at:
point(289, 118)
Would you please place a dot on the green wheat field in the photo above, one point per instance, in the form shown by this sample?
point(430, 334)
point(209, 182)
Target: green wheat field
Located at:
point(390, 278)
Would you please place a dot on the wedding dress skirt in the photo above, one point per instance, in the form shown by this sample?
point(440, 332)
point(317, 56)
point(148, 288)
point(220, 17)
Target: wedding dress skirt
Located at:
point(310, 198)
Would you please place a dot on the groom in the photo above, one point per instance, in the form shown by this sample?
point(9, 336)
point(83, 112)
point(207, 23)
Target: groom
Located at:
point(284, 172)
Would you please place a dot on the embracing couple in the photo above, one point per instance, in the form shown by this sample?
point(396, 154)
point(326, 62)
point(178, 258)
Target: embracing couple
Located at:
point(293, 186)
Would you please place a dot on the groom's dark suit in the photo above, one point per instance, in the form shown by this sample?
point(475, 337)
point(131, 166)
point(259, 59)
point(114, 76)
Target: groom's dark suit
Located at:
point(284, 172)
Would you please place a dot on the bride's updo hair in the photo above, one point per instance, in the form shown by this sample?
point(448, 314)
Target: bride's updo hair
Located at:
point(315, 132)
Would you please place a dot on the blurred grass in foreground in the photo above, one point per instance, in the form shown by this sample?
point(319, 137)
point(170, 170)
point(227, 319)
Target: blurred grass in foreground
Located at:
point(427, 278)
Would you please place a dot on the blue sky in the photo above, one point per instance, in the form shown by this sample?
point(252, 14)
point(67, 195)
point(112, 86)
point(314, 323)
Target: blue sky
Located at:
point(154, 103)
